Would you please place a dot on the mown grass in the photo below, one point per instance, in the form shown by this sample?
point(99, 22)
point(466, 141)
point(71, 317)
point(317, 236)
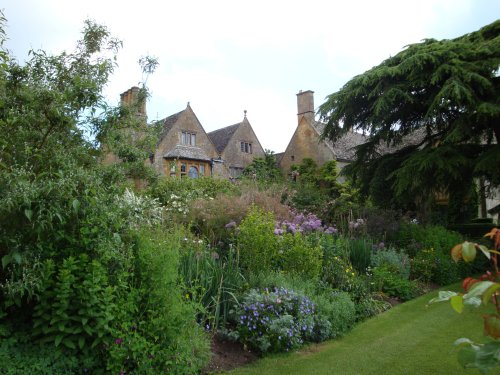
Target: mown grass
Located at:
point(411, 338)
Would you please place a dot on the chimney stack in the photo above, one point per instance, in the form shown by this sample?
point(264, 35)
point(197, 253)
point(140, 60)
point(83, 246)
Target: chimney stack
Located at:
point(305, 105)
point(131, 97)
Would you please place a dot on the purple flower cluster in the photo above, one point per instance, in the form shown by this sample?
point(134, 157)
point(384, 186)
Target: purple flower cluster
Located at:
point(303, 224)
point(275, 320)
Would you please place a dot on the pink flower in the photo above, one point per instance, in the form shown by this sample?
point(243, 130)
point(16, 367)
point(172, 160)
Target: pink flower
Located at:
point(118, 341)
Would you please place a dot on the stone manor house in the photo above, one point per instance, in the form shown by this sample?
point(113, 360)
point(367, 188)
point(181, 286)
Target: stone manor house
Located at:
point(185, 149)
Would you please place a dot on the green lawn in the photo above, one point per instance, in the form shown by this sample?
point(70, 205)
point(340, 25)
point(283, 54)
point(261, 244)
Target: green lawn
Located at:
point(411, 338)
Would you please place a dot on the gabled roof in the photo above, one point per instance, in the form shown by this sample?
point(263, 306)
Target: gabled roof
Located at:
point(220, 137)
point(168, 124)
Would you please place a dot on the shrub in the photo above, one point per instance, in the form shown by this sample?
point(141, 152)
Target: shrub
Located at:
point(338, 273)
point(389, 282)
point(430, 265)
point(414, 237)
point(392, 258)
point(256, 241)
point(273, 321)
point(297, 256)
point(338, 310)
point(423, 265)
point(156, 330)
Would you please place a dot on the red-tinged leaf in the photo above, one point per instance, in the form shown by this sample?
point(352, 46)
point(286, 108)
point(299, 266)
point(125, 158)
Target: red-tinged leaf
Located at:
point(490, 292)
point(492, 326)
point(492, 233)
point(468, 251)
point(457, 302)
point(468, 282)
point(456, 252)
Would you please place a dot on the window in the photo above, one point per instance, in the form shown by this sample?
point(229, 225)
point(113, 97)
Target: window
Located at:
point(293, 158)
point(183, 170)
point(193, 172)
point(188, 139)
point(246, 147)
point(202, 170)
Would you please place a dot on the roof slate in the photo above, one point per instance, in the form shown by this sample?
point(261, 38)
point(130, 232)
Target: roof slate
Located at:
point(168, 124)
point(220, 137)
point(187, 152)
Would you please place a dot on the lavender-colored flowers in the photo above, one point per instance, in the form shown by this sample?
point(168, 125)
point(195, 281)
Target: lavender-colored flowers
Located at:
point(275, 320)
point(303, 224)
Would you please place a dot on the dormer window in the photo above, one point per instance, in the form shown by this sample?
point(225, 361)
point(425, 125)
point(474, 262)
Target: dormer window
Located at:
point(246, 147)
point(188, 139)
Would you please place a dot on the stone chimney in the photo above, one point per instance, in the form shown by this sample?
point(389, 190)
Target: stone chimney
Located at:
point(131, 97)
point(305, 105)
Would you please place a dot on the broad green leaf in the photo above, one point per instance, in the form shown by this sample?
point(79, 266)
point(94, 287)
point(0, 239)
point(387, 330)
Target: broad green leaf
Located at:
point(473, 301)
point(457, 302)
point(468, 251)
point(58, 339)
point(69, 343)
point(478, 289)
point(443, 296)
point(489, 293)
point(28, 214)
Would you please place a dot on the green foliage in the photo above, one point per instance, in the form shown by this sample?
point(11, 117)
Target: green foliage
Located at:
point(338, 309)
point(413, 237)
point(394, 259)
point(264, 169)
point(360, 252)
point(338, 272)
point(76, 305)
point(211, 279)
point(437, 103)
point(18, 357)
point(318, 190)
point(423, 265)
point(256, 242)
point(298, 256)
point(82, 259)
point(388, 280)
point(156, 330)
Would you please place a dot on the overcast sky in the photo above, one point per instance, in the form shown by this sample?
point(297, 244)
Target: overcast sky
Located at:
point(225, 57)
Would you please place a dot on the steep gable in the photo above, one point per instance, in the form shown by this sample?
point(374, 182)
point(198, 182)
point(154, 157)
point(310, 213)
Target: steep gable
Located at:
point(183, 141)
point(237, 145)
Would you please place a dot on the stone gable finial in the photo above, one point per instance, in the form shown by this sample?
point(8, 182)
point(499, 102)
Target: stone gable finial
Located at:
point(245, 113)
